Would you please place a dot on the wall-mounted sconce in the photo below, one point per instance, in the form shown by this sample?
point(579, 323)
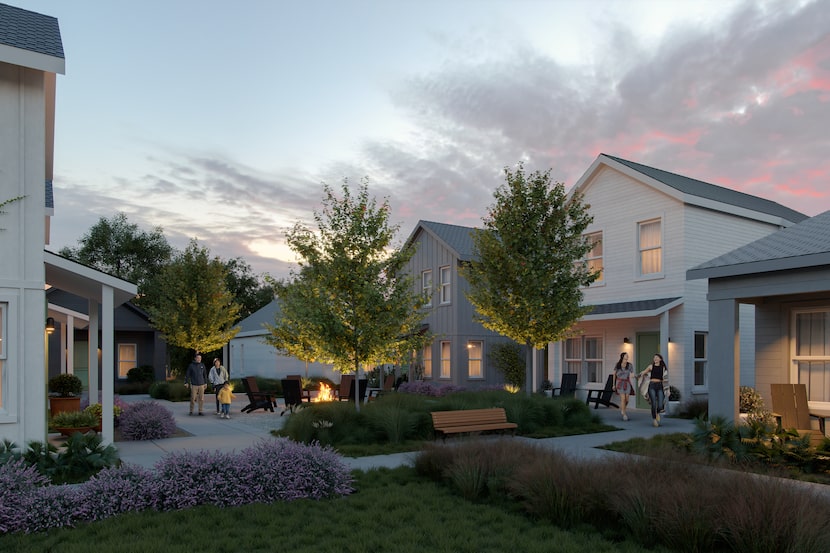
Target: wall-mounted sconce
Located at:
point(669, 338)
point(626, 340)
point(50, 325)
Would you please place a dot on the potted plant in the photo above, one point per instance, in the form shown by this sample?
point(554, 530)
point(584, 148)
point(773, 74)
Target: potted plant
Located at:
point(547, 387)
point(69, 422)
point(65, 390)
point(674, 401)
point(97, 410)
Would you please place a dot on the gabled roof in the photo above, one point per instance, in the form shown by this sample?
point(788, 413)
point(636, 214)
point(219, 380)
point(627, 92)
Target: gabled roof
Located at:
point(253, 324)
point(30, 39)
point(806, 244)
point(455, 237)
point(697, 192)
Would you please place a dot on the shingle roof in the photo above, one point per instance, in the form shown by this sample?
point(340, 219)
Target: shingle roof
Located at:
point(30, 31)
point(803, 245)
point(702, 189)
point(455, 236)
point(630, 306)
point(255, 320)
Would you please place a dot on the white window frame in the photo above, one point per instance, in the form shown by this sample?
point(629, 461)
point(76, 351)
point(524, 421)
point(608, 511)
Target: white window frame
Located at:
point(795, 374)
point(446, 360)
point(445, 284)
point(426, 286)
point(4, 340)
point(641, 250)
point(702, 361)
point(122, 374)
point(475, 365)
point(428, 361)
point(582, 365)
point(594, 257)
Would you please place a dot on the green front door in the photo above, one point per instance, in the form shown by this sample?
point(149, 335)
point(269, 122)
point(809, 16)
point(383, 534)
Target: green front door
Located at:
point(647, 344)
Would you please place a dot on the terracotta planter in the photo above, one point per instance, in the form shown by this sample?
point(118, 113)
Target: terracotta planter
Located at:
point(64, 404)
point(69, 431)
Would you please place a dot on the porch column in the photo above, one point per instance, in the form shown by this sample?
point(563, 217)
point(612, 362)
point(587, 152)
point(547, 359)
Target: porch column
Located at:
point(724, 358)
point(107, 362)
point(93, 351)
point(69, 351)
point(62, 346)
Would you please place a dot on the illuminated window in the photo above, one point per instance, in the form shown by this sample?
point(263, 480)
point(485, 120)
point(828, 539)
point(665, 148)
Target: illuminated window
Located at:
point(594, 257)
point(650, 247)
point(446, 360)
point(426, 287)
point(127, 358)
point(445, 284)
point(583, 356)
point(475, 365)
point(428, 361)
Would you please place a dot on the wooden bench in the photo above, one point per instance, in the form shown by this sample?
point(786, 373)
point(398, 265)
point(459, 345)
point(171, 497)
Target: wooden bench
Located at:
point(471, 420)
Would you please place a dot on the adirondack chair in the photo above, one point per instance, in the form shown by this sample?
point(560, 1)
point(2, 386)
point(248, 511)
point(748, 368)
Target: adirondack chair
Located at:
point(603, 396)
point(388, 386)
point(343, 390)
point(256, 398)
point(292, 395)
point(363, 384)
point(567, 388)
point(306, 394)
point(789, 406)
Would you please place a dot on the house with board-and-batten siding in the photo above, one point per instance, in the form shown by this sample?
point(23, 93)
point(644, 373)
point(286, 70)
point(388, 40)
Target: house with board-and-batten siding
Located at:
point(458, 354)
point(651, 226)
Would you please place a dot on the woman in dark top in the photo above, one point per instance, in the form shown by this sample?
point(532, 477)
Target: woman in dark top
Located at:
point(658, 376)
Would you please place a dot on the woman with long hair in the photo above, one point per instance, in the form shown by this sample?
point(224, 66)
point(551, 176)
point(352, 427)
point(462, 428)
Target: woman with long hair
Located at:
point(622, 382)
point(658, 380)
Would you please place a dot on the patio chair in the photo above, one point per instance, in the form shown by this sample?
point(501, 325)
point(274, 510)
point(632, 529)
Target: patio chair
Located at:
point(292, 395)
point(603, 396)
point(342, 391)
point(388, 386)
point(567, 388)
point(789, 406)
point(256, 398)
point(363, 384)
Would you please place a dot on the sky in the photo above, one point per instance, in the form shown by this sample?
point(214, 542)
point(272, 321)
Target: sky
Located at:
point(221, 121)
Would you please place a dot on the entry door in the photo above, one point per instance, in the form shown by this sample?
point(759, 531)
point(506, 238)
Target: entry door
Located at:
point(647, 343)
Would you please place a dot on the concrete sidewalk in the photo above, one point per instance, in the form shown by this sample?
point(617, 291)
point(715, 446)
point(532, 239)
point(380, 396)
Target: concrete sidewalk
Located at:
point(209, 432)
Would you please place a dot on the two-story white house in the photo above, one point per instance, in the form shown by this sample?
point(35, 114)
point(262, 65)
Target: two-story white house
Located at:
point(651, 226)
point(31, 57)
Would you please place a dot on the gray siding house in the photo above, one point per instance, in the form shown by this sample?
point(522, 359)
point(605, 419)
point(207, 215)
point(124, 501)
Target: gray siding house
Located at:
point(786, 277)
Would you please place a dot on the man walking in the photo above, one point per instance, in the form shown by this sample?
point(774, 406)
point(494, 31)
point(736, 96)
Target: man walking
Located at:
point(196, 378)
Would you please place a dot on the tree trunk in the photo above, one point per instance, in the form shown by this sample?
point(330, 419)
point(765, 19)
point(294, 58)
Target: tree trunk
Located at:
point(529, 369)
point(357, 386)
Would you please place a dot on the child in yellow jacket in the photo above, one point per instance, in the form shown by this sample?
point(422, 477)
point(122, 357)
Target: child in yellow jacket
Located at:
point(225, 398)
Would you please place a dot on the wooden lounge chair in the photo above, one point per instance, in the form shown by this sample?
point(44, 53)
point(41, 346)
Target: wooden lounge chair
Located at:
point(342, 391)
point(388, 386)
point(292, 395)
point(256, 398)
point(603, 397)
point(789, 406)
point(362, 389)
point(567, 388)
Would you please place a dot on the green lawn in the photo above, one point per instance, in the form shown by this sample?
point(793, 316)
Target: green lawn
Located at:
point(392, 510)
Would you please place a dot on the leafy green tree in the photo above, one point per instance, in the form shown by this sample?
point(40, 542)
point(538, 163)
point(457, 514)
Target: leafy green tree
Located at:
point(119, 248)
point(192, 305)
point(251, 291)
point(526, 276)
point(358, 301)
point(508, 360)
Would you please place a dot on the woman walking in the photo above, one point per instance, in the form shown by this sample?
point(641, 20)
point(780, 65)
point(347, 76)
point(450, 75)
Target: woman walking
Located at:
point(622, 382)
point(658, 380)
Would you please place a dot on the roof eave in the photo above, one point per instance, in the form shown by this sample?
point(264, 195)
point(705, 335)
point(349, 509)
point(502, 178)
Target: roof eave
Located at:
point(32, 60)
point(761, 266)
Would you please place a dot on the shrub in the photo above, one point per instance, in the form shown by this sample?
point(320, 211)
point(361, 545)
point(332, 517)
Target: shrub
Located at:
point(695, 408)
point(74, 419)
point(66, 385)
point(508, 359)
point(170, 391)
point(114, 491)
point(19, 483)
point(144, 373)
point(750, 400)
point(147, 420)
point(424, 388)
point(674, 393)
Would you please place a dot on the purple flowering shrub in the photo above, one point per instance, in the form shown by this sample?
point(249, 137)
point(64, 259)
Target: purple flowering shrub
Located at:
point(147, 420)
point(424, 388)
point(273, 470)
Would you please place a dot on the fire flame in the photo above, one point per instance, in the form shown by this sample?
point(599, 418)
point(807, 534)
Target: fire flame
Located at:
point(326, 393)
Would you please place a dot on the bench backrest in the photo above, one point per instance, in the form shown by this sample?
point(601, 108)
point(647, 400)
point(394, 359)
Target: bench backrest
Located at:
point(468, 416)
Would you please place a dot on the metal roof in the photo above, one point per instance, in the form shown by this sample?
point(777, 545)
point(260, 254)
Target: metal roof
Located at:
point(456, 237)
point(30, 31)
point(631, 309)
point(713, 192)
point(806, 244)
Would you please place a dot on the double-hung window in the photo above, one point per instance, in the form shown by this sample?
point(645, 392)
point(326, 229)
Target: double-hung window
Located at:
point(426, 287)
point(811, 352)
point(428, 361)
point(650, 247)
point(583, 356)
point(445, 284)
point(701, 356)
point(127, 358)
point(594, 257)
point(446, 360)
point(475, 364)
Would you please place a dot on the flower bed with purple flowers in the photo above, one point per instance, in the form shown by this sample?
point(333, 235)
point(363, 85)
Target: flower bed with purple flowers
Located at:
point(273, 470)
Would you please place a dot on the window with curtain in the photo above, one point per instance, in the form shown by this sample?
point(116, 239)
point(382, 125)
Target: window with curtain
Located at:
point(584, 356)
point(701, 358)
point(127, 358)
point(475, 365)
point(428, 361)
point(812, 352)
point(594, 257)
point(426, 287)
point(650, 247)
point(445, 284)
point(446, 360)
